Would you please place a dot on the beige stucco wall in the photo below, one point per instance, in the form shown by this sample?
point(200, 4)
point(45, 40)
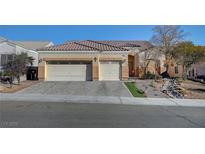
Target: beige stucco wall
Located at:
point(94, 58)
point(140, 61)
point(41, 71)
point(172, 73)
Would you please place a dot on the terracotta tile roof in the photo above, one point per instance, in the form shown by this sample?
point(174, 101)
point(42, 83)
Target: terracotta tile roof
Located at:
point(91, 45)
point(142, 45)
point(102, 46)
point(87, 45)
point(72, 46)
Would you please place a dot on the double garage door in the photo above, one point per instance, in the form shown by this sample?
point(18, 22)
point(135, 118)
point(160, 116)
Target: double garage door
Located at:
point(75, 71)
point(79, 71)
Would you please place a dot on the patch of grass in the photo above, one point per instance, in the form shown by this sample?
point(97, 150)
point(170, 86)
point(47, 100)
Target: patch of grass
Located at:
point(134, 90)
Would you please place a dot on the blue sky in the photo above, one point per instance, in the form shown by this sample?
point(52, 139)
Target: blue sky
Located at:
point(60, 34)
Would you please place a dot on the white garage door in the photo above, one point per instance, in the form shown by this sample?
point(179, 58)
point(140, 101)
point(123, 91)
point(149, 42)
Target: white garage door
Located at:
point(110, 70)
point(69, 72)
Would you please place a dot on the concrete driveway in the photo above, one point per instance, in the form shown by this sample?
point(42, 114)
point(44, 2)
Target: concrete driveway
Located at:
point(94, 88)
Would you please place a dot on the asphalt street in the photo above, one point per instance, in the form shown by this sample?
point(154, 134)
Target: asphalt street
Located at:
point(72, 115)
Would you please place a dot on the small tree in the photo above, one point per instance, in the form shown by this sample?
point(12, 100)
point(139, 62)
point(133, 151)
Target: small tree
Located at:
point(18, 66)
point(166, 38)
point(187, 54)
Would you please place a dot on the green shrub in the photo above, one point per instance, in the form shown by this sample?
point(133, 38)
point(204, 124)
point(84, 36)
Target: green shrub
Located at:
point(149, 75)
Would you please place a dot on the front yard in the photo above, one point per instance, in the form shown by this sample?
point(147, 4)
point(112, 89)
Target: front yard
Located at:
point(152, 89)
point(191, 89)
point(138, 88)
point(5, 88)
point(194, 90)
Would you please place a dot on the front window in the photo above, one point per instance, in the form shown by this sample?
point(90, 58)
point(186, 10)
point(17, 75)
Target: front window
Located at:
point(6, 58)
point(3, 60)
point(10, 58)
point(176, 69)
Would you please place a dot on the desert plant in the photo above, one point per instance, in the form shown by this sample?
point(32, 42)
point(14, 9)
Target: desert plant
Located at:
point(18, 66)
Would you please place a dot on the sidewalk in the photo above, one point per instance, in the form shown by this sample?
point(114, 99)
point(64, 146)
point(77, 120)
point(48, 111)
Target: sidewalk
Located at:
point(102, 100)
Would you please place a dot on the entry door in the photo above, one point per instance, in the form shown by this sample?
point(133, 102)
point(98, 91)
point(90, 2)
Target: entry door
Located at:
point(110, 70)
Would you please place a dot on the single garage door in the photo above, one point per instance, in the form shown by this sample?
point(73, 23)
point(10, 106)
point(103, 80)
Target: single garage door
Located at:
point(110, 70)
point(69, 72)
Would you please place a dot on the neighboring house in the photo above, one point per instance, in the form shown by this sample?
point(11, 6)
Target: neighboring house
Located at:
point(92, 60)
point(34, 45)
point(8, 48)
point(32, 72)
point(197, 71)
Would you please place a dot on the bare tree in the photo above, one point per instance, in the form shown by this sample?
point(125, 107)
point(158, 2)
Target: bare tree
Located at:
point(151, 55)
point(166, 38)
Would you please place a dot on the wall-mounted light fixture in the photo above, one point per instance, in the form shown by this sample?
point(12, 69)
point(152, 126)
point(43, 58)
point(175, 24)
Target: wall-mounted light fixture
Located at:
point(95, 59)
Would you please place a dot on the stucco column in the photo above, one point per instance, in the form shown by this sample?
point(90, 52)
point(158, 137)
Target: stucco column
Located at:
point(125, 69)
point(95, 69)
point(136, 65)
point(42, 70)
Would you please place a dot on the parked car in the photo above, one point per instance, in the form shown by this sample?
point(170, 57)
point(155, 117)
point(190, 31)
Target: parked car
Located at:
point(201, 78)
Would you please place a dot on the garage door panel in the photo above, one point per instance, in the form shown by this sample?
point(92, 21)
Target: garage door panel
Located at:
point(69, 72)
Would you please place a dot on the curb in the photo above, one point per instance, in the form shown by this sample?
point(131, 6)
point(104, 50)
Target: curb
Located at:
point(102, 100)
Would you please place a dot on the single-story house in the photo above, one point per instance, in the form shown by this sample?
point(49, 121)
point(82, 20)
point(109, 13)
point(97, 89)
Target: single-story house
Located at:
point(92, 60)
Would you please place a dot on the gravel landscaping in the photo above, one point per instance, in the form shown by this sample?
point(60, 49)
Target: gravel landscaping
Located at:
point(6, 88)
